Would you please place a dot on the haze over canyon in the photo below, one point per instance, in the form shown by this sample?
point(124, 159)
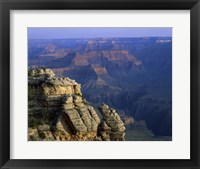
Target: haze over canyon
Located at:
point(132, 75)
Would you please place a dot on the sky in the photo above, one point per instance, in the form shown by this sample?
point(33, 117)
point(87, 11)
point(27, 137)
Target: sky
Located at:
point(64, 33)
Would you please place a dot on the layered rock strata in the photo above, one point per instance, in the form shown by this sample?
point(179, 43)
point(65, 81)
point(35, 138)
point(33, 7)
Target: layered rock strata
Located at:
point(57, 111)
point(111, 127)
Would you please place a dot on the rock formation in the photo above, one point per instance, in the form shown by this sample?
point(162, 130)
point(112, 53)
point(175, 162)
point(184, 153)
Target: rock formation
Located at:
point(57, 111)
point(111, 127)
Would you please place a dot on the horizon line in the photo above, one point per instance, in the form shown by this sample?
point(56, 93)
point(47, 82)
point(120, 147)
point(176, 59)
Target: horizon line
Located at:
point(103, 37)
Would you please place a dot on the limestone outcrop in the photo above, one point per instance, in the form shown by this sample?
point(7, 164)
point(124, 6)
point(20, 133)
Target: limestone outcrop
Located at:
point(57, 111)
point(111, 127)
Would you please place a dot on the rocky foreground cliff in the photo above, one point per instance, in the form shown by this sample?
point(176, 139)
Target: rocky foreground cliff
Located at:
point(58, 111)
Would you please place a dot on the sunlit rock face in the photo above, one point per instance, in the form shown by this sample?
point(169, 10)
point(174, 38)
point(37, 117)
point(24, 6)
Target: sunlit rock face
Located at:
point(57, 111)
point(112, 127)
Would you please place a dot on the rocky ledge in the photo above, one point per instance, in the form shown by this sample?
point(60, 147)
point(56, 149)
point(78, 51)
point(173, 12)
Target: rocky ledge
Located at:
point(58, 111)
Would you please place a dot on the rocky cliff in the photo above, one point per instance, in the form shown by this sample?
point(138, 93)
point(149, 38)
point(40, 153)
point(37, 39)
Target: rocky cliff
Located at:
point(58, 111)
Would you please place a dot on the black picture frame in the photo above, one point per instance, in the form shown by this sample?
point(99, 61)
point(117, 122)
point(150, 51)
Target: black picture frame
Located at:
point(7, 5)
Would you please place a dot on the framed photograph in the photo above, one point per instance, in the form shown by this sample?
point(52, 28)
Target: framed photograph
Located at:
point(98, 84)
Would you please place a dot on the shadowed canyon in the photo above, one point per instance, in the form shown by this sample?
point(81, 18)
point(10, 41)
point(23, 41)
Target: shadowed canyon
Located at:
point(131, 75)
